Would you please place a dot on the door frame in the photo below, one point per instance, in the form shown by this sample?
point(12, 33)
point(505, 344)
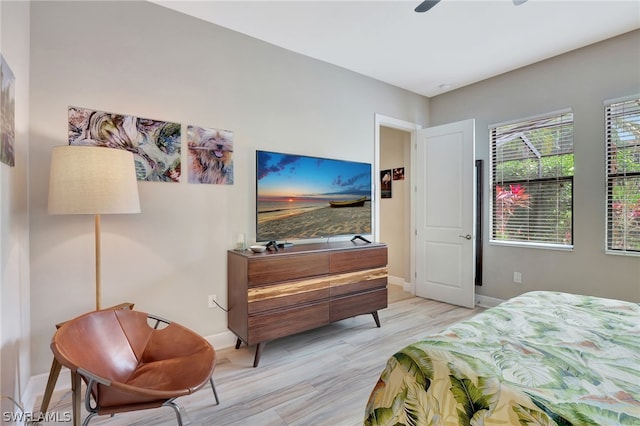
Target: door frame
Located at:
point(412, 129)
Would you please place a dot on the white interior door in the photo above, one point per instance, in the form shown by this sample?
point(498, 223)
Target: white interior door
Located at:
point(445, 213)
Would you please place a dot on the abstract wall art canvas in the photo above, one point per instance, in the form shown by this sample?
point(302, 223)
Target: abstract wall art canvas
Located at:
point(7, 115)
point(210, 155)
point(155, 144)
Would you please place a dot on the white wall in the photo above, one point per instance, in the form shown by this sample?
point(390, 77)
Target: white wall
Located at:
point(395, 147)
point(141, 59)
point(581, 80)
point(14, 219)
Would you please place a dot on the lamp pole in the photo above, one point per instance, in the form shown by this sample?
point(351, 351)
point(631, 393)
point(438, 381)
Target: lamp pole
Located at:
point(98, 265)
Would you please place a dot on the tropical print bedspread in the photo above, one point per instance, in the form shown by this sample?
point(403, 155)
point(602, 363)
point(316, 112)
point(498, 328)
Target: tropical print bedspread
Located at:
point(542, 358)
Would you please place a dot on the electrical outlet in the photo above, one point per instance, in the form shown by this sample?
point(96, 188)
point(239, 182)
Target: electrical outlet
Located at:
point(211, 300)
point(517, 277)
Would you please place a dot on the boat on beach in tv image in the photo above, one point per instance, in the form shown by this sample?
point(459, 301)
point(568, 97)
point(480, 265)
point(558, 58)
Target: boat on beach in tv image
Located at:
point(349, 203)
point(302, 197)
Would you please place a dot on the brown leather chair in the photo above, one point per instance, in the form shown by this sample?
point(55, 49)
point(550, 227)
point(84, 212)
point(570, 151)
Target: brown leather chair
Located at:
point(131, 360)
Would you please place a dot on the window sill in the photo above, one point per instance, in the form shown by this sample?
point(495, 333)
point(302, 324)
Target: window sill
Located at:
point(622, 253)
point(522, 244)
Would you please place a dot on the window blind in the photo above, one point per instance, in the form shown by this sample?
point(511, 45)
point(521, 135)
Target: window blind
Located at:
point(532, 180)
point(622, 134)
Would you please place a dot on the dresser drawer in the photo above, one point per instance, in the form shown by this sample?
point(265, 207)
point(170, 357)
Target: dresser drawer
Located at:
point(357, 259)
point(358, 304)
point(275, 324)
point(358, 281)
point(275, 268)
point(291, 293)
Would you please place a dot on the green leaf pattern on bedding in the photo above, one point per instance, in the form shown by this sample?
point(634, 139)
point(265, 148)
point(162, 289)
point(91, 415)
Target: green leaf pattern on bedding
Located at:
point(470, 397)
point(528, 417)
point(542, 358)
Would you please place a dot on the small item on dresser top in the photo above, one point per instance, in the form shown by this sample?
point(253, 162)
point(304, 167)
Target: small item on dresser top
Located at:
point(241, 244)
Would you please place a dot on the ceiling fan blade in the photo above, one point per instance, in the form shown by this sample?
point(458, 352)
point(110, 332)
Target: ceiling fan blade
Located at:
point(519, 2)
point(426, 5)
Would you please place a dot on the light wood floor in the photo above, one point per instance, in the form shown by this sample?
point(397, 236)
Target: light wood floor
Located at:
point(320, 377)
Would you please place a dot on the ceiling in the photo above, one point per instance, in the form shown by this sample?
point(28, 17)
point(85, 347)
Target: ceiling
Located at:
point(454, 44)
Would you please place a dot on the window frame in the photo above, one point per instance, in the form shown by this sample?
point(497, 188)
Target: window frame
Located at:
point(527, 244)
point(607, 179)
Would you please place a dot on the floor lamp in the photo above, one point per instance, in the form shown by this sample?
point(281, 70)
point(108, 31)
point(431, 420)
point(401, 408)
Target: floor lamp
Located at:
point(93, 180)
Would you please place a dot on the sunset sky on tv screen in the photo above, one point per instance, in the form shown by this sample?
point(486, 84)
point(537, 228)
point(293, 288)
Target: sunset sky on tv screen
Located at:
point(285, 177)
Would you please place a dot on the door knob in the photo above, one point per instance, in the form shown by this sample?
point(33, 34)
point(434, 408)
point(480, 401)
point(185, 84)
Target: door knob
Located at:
point(466, 237)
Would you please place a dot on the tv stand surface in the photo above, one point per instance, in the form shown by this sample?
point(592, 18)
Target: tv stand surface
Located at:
point(278, 293)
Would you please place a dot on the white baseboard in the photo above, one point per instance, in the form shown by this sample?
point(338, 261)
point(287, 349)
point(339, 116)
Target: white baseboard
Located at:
point(487, 302)
point(223, 340)
point(408, 287)
point(395, 280)
point(38, 383)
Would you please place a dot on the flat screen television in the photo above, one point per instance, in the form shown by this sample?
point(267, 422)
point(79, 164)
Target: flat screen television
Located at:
point(300, 197)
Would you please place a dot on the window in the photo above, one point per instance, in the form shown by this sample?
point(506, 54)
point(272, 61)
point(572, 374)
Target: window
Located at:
point(622, 134)
point(532, 181)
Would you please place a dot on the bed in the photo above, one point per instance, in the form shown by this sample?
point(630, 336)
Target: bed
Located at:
point(542, 358)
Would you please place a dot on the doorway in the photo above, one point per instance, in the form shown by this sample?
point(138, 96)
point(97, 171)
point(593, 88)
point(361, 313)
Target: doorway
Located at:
point(393, 150)
point(395, 206)
point(390, 130)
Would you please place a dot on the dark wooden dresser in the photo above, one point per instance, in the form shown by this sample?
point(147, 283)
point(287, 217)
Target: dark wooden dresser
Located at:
point(279, 293)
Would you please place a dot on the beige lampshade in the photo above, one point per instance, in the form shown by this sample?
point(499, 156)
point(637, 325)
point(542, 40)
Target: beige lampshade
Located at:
point(92, 180)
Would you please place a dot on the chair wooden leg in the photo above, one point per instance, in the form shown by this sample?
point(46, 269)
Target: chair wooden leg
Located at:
point(51, 384)
point(76, 398)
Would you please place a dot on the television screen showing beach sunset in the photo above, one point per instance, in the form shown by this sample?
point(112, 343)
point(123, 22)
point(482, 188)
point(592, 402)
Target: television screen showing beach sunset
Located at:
point(303, 197)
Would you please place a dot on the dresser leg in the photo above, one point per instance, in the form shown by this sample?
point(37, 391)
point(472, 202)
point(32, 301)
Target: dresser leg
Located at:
point(376, 318)
point(238, 343)
point(259, 349)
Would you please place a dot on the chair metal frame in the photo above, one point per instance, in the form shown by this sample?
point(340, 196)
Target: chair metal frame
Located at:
point(92, 379)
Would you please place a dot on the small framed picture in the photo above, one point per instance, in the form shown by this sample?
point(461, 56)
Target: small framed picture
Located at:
point(398, 173)
point(385, 183)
